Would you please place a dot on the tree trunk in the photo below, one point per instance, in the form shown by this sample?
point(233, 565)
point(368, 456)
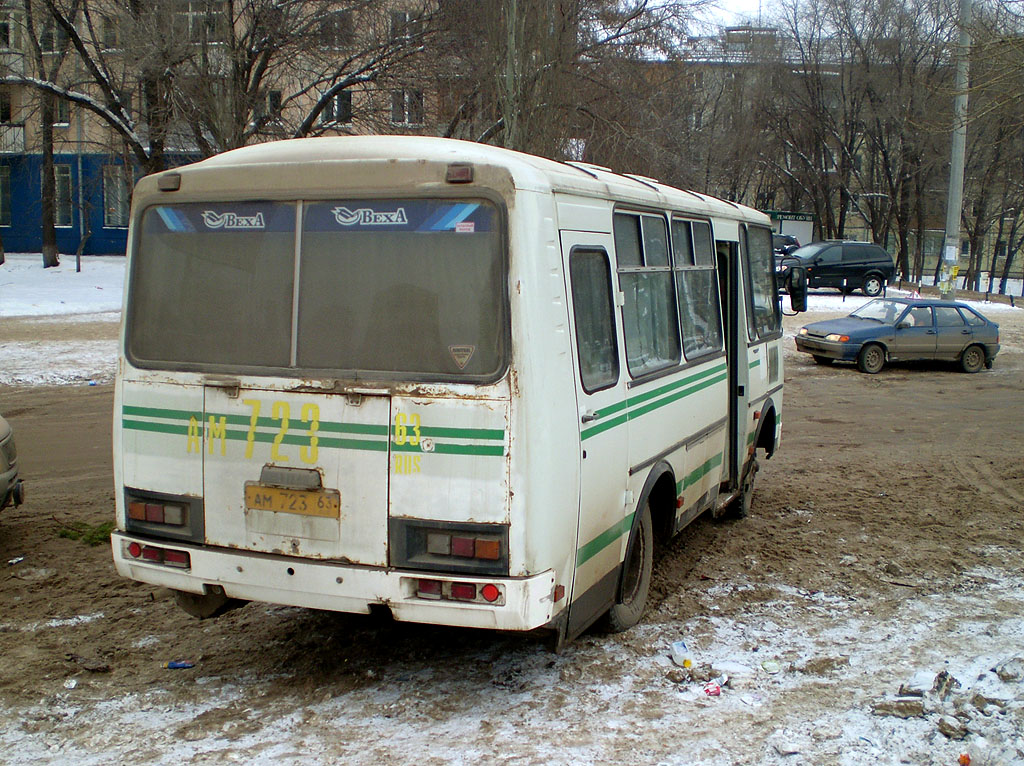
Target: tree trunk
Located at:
point(49, 187)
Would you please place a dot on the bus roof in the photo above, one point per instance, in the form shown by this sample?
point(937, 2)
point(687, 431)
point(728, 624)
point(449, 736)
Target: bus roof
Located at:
point(528, 172)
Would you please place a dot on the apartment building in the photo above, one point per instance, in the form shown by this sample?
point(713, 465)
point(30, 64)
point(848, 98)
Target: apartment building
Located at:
point(181, 80)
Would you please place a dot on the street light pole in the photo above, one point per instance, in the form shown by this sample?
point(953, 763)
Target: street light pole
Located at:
point(955, 199)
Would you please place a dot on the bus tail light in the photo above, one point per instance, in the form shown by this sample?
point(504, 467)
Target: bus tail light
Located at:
point(429, 589)
point(153, 554)
point(463, 591)
point(157, 513)
point(456, 547)
point(488, 594)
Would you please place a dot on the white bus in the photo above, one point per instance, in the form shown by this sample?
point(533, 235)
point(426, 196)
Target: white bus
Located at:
point(464, 384)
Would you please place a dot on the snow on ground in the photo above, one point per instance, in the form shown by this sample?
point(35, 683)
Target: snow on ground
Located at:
point(93, 297)
point(770, 656)
point(27, 289)
point(776, 659)
point(59, 325)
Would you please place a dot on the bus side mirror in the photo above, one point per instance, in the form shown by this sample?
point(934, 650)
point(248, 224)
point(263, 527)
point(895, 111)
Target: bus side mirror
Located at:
point(796, 285)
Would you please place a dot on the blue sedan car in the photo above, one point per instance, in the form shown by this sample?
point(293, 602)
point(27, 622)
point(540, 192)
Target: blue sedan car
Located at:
point(901, 329)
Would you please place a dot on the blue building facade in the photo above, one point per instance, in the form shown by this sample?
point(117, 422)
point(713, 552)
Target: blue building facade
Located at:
point(93, 198)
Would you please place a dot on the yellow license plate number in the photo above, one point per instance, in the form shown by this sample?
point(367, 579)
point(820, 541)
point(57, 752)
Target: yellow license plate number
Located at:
point(305, 502)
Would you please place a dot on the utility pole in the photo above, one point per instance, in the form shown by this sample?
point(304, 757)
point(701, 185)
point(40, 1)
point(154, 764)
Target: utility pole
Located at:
point(955, 199)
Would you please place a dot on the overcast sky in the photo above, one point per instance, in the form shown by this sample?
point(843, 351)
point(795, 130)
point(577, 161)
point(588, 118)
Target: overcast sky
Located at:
point(737, 11)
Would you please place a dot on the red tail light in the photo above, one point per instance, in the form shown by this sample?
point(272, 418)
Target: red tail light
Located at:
point(463, 591)
point(154, 555)
point(429, 589)
point(490, 592)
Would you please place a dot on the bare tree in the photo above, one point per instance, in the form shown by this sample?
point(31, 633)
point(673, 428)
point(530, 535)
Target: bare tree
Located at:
point(541, 75)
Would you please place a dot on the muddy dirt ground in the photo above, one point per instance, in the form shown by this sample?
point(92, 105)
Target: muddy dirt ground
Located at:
point(890, 491)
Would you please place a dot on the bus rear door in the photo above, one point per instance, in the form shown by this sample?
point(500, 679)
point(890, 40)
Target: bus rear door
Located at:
point(300, 474)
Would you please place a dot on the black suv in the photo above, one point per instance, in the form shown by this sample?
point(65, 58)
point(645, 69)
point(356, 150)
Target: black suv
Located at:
point(845, 265)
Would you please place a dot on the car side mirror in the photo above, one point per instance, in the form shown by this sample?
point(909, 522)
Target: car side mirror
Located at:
point(796, 284)
point(903, 325)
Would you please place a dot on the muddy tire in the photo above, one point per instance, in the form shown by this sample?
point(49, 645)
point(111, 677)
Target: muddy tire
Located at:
point(635, 580)
point(972, 359)
point(871, 359)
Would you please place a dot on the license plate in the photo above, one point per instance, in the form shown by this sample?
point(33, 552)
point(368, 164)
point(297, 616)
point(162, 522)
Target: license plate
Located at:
point(305, 502)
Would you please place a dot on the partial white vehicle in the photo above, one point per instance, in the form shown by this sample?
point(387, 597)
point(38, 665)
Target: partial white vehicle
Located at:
point(12, 489)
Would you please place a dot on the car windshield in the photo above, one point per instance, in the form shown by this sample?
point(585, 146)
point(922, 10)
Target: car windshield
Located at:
point(807, 252)
point(880, 310)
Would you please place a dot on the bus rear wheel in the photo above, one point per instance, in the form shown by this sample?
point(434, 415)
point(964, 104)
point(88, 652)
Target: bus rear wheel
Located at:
point(635, 579)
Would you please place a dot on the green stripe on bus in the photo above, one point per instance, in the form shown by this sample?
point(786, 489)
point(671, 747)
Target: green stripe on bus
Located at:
point(681, 383)
point(755, 363)
point(491, 434)
point(444, 448)
point(656, 405)
point(160, 428)
point(326, 442)
point(494, 434)
point(153, 412)
point(675, 391)
point(698, 473)
point(604, 539)
point(300, 435)
point(603, 426)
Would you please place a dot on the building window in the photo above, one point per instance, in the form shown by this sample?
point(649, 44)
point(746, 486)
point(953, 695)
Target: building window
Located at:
point(407, 107)
point(53, 38)
point(10, 31)
point(61, 112)
point(5, 195)
point(109, 33)
point(338, 109)
point(336, 29)
point(116, 196)
point(6, 107)
point(268, 108)
point(62, 195)
point(201, 21)
point(403, 26)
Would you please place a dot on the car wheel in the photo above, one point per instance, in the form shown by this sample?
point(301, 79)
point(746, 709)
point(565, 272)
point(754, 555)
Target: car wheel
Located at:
point(824, 361)
point(972, 359)
point(636, 578)
point(873, 285)
point(871, 359)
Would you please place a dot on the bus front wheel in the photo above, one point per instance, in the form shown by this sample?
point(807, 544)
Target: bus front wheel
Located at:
point(635, 579)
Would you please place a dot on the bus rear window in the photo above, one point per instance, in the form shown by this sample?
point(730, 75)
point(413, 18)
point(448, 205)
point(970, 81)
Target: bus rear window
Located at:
point(386, 288)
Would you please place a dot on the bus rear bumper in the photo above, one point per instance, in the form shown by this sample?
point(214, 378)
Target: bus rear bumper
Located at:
point(524, 603)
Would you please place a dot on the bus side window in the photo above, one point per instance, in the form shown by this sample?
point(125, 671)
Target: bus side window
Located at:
point(649, 319)
point(590, 278)
point(696, 290)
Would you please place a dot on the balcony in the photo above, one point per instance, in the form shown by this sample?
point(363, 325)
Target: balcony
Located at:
point(12, 139)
